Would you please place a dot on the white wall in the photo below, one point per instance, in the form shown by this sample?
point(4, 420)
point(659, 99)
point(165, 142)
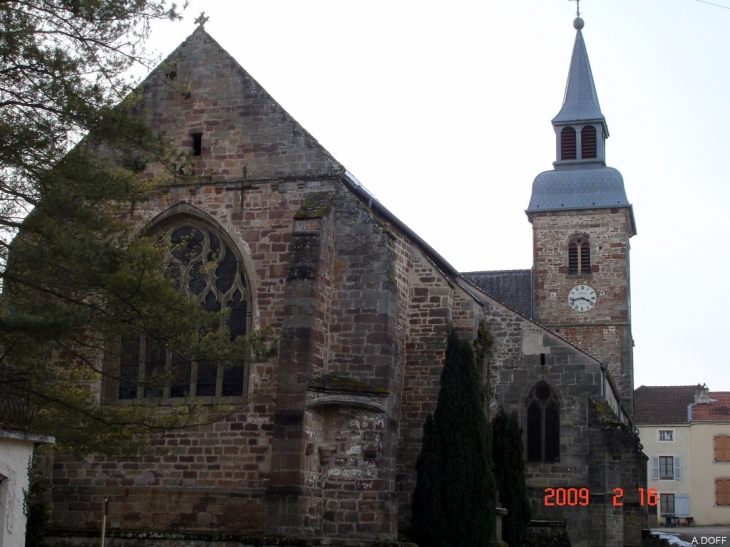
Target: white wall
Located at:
point(679, 447)
point(706, 470)
point(16, 450)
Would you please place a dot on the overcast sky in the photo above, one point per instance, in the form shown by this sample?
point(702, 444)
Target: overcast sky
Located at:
point(442, 110)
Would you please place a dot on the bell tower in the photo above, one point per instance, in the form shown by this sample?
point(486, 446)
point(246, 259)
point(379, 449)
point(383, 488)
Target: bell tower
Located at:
point(582, 222)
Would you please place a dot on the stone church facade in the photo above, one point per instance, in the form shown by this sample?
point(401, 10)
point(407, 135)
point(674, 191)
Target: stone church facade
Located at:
point(325, 452)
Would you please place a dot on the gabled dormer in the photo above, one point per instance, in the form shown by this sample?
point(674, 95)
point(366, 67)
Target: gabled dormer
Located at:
point(580, 127)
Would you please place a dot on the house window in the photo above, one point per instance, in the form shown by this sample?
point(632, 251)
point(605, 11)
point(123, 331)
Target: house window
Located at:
point(666, 502)
point(722, 448)
point(543, 425)
point(567, 144)
point(206, 268)
point(722, 492)
point(666, 434)
point(666, 468)
point(588, 142)
point(579, 256)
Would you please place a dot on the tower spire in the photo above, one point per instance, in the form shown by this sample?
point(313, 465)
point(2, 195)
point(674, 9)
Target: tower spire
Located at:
point(580, 103)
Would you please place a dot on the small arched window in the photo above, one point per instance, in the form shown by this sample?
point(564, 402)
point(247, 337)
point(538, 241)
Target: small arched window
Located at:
point(567, 144)
point(543, 425)
point(588, 142)
point(206, 268)
point(579, 256)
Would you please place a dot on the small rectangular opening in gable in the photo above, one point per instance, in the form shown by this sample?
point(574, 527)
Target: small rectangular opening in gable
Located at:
point(197, 143)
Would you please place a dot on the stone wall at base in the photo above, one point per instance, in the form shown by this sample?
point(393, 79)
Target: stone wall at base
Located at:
point(121, 538)
point(547, 533)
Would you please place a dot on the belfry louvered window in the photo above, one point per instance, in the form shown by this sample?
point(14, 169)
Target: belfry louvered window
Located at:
point(543, 425)
point(579, 257)
point(588, 142)
point(567, 144)
point(206, 268)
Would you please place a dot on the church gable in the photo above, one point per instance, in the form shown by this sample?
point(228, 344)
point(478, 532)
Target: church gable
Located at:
point(202, 101)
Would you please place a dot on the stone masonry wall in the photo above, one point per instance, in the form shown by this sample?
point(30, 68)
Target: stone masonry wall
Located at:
point(605, 330)
point(429, 310)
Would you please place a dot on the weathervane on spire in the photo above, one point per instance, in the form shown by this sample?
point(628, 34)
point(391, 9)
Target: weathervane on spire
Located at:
point(577, 22)
point(202, 19)
point(577, 9)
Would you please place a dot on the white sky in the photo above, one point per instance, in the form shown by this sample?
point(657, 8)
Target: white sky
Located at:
point(442, 110)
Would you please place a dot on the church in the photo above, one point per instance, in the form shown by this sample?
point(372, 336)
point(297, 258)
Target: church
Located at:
point(324, 453)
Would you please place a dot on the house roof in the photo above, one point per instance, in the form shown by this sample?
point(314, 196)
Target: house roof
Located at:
point(663, 404)
point(718, 409)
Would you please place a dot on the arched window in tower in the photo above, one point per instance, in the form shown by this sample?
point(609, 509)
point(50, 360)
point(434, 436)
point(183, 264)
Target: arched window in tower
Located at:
point(543, 425)
point(579, 256)
point(588, 142)
point(204, 266)
point(567, 144)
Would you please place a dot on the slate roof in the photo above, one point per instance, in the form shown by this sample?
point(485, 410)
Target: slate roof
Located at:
point(663, 404)
point(511, 287)
point(580, 103)
point(718, 409)
point(594, 187)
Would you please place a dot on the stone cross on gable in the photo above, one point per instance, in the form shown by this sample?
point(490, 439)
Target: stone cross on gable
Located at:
point(577, 10)
point(201, 20)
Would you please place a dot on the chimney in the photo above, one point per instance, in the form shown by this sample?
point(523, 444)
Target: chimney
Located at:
point(702, 394)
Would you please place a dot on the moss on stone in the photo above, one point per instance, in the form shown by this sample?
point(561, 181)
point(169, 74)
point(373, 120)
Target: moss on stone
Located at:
point(604, 412)
point(315, 205)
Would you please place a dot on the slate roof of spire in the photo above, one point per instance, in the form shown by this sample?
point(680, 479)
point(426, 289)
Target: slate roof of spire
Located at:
point(589, 187)
point(581, 100)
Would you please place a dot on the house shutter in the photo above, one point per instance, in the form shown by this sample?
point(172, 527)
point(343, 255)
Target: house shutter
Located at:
point(722, 492)
point(655, 468)
point(722, 448)
point(681, 505)
point(677, 468)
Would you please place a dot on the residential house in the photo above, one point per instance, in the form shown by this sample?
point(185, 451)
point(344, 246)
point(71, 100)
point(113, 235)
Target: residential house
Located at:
point(685, 432)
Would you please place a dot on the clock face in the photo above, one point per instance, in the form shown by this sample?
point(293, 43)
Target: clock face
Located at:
point(582, 298)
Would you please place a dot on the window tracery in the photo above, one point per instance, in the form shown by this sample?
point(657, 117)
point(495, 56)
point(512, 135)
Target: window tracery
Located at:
point(206, 267)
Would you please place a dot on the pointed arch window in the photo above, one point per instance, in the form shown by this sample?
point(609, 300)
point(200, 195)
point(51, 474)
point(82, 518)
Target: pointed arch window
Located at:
point(588, 142)
point(568, 144)
point(579, 256)
point(543, 425)
point(205, 266)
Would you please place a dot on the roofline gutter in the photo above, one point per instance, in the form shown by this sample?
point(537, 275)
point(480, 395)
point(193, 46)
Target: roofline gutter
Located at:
point(607, 378)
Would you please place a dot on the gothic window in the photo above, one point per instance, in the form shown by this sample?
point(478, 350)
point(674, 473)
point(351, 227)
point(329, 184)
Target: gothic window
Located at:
point(567, 144)
point(588, 142)
point(206, 268)
point(543, 425)
point(579, 256)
